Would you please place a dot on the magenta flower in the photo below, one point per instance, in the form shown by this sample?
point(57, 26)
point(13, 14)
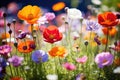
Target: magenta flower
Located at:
point(50, 16)
point(82, 59)
point(69, 66)
point(104, 59)
point(16, 60)
point(5, 49)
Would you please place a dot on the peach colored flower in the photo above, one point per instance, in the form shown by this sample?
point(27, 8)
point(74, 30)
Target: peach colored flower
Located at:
point(57, 51)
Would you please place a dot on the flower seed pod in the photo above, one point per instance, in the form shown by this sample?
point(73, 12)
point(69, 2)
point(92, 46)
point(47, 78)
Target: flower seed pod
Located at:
point(86, 43)
point(16, 44)
point(4, 14)
point(10, 31)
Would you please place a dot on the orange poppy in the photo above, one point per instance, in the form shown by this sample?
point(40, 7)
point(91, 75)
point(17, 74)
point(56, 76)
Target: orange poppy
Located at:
point(107, 19)
point(51, 34)
point(117, 61)
point(58, 6)
point(111, 31)
point(30, 14)
point(118, 5)
point(4, 36)
point(57, 51)
point(16, 78)
point(104, 41)
point(26, 46)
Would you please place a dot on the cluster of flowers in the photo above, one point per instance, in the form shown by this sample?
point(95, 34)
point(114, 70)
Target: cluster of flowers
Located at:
point(30, 44)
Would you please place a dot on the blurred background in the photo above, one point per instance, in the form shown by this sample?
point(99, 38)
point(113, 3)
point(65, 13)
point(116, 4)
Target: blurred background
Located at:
point(86, 6)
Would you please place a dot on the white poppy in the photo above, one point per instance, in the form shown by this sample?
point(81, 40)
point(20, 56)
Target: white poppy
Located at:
point(74, 13)
point(96, 2)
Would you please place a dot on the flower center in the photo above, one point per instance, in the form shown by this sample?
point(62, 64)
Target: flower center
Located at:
point(51, 36)
point(30, 16)
point(104, 61)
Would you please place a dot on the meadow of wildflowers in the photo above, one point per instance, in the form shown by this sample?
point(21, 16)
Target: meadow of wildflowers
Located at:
point(38, 46)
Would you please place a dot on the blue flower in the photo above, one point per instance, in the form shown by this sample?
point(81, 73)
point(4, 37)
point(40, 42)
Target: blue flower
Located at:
point(2, 62)
point(39, 56)
point(2, 67)
point(92, 25)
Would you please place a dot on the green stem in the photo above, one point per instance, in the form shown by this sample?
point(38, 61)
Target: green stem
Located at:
point(107, 40)
point(14, 31)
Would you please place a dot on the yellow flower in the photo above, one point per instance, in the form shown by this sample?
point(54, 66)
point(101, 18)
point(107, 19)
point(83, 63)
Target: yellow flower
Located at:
point(4, 36)
point(57, 51)
point(30, 14)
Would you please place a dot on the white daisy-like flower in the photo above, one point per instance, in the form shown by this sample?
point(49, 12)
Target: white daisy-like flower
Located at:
point(52, 77)
point(116, 70)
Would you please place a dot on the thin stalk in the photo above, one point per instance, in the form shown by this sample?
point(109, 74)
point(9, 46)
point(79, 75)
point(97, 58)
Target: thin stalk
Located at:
point(32, 29)
point(107, 40)
point(14, 31)
point(5, 26)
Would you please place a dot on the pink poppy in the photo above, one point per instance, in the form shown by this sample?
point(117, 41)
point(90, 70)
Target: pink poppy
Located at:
point(69, 66)
point(82, 59)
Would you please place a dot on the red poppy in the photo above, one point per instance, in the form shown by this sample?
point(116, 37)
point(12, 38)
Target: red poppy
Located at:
point(117, 47)
point(107, 19)
point(16, 78)
point(51, 34)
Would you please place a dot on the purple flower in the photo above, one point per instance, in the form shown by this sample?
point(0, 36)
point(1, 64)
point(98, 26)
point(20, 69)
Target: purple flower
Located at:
point(97, 40)
point(5, 49)
point(39, 56)
point(80, 77)
point(22, 35)
point(0, 69)
point(50, 16)
point(104, 59)
point(16, 60)
point(69, 66)
point(92, 25)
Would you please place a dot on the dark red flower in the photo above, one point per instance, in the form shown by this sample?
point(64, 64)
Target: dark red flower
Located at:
point(107, 19)
point(51, 34)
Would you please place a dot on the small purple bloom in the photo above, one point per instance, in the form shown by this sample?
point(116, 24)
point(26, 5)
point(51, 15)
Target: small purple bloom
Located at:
point(5, 49)
point(16, 60)
point(22, 35)
point(104, 59)
point(80, 77)
point(97, 40)
point(0, 69)
point(39, 56)
point(50, 16)
point(92, 25)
